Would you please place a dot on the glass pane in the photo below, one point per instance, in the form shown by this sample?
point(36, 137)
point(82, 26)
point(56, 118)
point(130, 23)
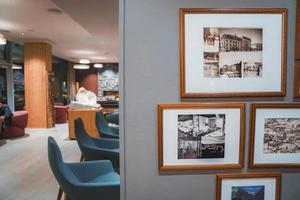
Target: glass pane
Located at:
point(2, 52)
point(3, 86)
point(18, 75)
point(18, 79)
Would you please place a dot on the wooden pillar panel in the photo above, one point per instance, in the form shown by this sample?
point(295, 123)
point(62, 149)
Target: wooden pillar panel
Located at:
point(37, 64)
point(297, 53)
point(297, 42)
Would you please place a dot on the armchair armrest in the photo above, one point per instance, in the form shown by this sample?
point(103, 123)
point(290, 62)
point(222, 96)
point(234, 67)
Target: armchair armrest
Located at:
point(115, 130)
point(106, 143)
point(92, 191)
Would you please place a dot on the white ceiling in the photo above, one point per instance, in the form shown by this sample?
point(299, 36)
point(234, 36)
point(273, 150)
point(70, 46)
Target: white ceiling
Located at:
point(84, 29)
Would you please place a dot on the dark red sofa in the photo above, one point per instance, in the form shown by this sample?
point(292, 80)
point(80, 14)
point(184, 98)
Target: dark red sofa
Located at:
point(18, 125)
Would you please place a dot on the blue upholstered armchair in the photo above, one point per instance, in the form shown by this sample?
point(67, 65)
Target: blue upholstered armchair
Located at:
point(112, 118)
point(91, 180)
point(104, 130)
point(97, 148)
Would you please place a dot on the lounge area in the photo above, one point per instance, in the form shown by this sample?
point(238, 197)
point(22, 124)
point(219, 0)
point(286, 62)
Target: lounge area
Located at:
point(49, 84)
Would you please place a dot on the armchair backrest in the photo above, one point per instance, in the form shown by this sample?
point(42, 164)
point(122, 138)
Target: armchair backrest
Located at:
point(81, 135)
point(101, 123)
point(61, 171)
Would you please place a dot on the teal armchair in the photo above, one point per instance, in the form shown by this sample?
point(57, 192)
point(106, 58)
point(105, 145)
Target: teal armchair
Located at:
point(104, 130)
point(97, 148)
point(91, 180)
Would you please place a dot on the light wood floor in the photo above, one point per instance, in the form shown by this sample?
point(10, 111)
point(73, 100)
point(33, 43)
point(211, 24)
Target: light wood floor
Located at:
point(24, 170)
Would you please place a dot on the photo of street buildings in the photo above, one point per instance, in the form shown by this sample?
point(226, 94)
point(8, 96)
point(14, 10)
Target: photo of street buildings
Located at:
point(248, 192)
point(281, 135)
point(238, 50)
point(201, 136)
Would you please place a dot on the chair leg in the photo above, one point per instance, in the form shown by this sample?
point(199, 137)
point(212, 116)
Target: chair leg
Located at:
point(59, 194)
point(81, 158)
point(66, 197)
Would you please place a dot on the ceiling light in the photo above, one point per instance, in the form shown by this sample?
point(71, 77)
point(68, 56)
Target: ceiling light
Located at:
point(14, 66)
point(81, 66)
point(84, 61)
point(97, 65)
point(2, 39)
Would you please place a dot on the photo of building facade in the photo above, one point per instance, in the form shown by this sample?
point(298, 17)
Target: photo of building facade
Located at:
point(236, 52)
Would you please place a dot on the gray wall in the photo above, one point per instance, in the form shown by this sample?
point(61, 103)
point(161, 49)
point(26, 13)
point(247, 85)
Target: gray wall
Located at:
point(150, 75)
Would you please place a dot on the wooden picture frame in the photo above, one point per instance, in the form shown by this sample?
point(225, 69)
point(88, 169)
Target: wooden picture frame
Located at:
point(211, 67)
point(274, 135)
point(207, 136)
point(255, 184)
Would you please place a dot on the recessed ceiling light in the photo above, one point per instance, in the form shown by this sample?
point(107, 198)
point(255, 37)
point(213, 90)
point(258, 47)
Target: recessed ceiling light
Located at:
point(81, 66)
point(84, 61)
point(98, 65)
point(54, 11)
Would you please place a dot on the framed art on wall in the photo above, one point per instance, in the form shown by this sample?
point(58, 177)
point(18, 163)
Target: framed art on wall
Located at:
point(274, 135)
point(258, 186)
point(200, 136)
point(232, 52)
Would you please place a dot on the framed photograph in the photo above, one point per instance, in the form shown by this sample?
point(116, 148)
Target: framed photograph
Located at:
point(256, 186)
point(274, 135)
point(200, 136)
point(232, 52)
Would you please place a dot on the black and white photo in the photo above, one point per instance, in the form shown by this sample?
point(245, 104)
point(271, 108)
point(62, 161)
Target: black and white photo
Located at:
point(201, 136)
point(232, 70)
point(237, 52)
point(211, 70)
point(281, 135)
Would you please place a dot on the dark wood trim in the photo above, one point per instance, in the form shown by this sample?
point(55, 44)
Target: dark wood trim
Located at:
point(297, 31)
point(253, 109)
point(183, 11)
point(162, 107)
point(296, 80)
point(297, 52)
point(220, 177)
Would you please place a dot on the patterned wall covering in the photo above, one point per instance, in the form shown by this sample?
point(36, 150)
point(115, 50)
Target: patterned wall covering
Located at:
point(108, 78)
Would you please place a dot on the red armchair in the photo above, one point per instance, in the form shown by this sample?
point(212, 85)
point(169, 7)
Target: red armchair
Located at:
point(18, 125)
point(61, 114)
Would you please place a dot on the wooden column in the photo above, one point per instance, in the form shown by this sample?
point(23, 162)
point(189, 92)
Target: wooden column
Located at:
point(38, 84)
point(297, 53)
